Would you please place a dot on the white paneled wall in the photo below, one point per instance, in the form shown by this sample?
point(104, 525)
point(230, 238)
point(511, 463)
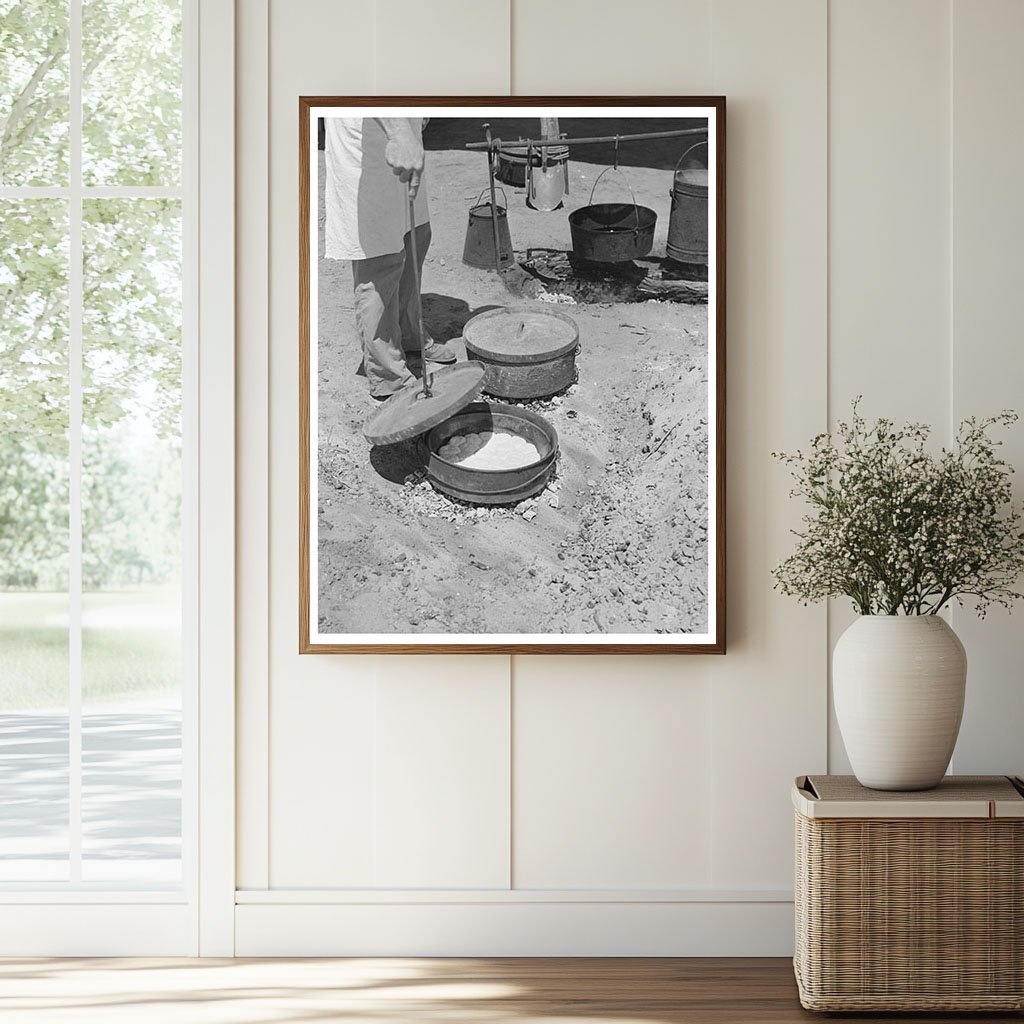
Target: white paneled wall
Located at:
point(626, 805)
point(441, 769)
point(925, 219)
point(581, 48)
point(889, 211)
point(889, 198)
point(987, 356)
point(435, 48)
point(317, 819)
point(612, 775)
point(768, 693)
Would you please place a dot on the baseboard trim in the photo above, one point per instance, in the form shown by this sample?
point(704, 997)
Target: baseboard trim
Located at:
point(515, 928)
point(348, 897)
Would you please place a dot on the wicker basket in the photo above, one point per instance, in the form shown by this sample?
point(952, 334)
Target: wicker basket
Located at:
point(910, 901)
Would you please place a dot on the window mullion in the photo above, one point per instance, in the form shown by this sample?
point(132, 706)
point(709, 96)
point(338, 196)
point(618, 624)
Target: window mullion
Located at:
point(75, 332)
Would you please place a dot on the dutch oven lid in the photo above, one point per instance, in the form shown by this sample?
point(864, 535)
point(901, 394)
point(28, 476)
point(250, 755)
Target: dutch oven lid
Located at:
point(695, 175)
point(693, 169)
point(407, 413)
point(514, 334)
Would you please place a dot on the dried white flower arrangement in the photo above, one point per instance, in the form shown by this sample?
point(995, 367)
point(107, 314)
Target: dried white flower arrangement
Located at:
point(900, 530)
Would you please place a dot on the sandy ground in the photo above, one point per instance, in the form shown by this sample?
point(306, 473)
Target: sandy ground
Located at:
point(617, 544)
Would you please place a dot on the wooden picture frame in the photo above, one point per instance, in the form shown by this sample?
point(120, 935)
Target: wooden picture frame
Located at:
point(423, 637)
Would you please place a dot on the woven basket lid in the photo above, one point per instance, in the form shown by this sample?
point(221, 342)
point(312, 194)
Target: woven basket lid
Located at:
point(514, 334)
point(957, 796)
point(407, 413)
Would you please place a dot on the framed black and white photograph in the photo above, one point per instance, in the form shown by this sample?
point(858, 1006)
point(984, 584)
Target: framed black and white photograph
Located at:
point(512, 375)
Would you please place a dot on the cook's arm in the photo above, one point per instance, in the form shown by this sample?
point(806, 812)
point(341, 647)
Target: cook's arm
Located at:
point(404, 150)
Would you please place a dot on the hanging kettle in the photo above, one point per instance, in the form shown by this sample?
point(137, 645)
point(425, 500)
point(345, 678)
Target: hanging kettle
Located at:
point(612, 232)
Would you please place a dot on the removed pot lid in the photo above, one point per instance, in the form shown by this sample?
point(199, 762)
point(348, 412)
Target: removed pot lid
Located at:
point(521, 334)
point(695, 175)
point(407, 413)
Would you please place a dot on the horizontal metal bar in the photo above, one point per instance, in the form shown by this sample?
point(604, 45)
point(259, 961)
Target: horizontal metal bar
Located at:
point(593, 141)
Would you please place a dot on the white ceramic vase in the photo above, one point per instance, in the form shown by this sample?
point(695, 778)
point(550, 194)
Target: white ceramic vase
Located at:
point(898, 684)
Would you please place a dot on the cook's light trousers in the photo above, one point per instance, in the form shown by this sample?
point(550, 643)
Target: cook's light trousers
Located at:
point(385, 306)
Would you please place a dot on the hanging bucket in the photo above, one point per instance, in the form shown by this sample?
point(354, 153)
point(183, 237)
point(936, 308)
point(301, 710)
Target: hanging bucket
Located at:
point(688, 221)
point(479, 247)
point(612, 232)
point(547, 182)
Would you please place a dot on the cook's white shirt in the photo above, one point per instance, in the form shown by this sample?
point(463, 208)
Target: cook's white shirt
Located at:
point(367, 204)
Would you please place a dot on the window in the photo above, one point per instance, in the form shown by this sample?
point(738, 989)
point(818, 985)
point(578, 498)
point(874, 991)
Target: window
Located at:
point(95, 464)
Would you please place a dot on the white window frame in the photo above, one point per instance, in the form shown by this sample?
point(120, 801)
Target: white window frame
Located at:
point(215, 277)
point(76, 918)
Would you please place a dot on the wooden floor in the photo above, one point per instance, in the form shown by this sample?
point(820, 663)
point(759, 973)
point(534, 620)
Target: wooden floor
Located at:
point(382, 991)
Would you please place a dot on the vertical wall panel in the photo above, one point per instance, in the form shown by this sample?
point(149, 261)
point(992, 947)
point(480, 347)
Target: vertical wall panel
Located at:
point(442, 775)
point(987, 364)
point(442, 726)
point(889, 208)
point(889, 254)
point(321, 709)
point(322, 759)
point(442, 47)
point(579, 48)
point(611, 755)
point(612, 783)
point(769, 692)
point(330, 826)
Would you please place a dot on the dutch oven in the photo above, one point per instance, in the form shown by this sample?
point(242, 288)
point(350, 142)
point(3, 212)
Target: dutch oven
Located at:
point(449, 407)
point(528, 352)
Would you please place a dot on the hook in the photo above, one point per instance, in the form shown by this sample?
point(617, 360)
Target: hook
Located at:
point(616, 152)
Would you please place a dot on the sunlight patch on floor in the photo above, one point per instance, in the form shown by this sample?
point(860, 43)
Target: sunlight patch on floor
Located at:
point(188, 991)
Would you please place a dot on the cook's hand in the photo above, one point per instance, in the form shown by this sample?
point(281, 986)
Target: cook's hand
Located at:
point(404, 155)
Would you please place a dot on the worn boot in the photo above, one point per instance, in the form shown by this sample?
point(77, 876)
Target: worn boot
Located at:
point(438, 352)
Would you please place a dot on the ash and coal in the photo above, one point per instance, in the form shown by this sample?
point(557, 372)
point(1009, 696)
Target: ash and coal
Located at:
point(617, 542)
point(561, 276)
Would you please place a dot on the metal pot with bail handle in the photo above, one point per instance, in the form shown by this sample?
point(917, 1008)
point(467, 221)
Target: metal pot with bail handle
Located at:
point(612, 232)
point(688, 221)
point(484, 222)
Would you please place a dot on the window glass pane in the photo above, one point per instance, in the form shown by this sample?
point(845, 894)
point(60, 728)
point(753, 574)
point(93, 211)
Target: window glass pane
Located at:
point(131, 92)
point(33, 540)
point(33, 92)
point(131, 541)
